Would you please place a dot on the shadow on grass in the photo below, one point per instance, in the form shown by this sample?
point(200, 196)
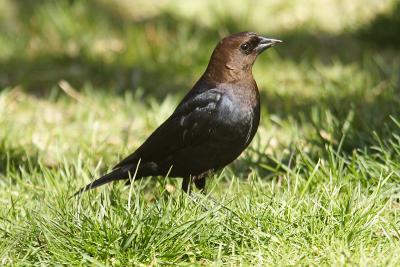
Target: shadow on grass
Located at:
point(13, 159)
point(370, 113)
point(384, 29)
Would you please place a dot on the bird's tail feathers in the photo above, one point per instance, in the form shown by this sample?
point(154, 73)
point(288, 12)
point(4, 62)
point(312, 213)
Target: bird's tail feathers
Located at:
point(116, 174)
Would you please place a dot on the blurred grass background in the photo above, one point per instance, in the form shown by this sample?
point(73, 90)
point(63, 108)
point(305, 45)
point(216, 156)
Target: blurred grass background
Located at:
point(83, 83)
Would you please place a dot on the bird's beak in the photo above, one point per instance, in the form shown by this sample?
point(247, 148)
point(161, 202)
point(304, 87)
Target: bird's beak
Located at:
point(265, 43)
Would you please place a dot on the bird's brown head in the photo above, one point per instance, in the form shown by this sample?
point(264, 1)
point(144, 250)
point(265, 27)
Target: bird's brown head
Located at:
point(235, 55)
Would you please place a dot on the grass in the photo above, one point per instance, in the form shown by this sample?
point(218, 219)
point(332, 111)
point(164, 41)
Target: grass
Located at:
point(83, 83)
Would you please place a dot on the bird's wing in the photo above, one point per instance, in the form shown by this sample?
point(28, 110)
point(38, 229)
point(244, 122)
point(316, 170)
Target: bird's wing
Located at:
point(189, 125)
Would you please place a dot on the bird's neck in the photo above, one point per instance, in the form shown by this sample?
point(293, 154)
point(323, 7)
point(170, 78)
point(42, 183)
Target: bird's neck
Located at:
point(227, 73)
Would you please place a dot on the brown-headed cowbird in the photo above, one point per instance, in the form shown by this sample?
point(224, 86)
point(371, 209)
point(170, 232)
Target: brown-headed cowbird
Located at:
point(211, 126)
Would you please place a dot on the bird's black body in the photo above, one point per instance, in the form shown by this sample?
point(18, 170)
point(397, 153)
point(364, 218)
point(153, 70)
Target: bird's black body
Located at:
point(210, 128)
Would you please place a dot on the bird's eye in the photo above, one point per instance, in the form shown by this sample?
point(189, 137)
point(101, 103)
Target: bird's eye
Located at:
point(245, 47)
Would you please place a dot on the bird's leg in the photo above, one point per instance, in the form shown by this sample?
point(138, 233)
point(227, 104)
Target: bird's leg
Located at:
point(200, 183)
point(187, 188)
point(187, 185)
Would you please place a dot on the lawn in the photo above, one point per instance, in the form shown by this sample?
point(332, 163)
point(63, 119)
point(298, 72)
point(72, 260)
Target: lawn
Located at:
point(83, 83)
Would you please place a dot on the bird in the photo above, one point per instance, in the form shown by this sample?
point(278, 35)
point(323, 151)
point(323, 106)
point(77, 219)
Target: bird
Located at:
point(212, 125)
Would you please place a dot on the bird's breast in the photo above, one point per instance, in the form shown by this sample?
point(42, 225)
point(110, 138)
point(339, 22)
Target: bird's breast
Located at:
point(235, 121)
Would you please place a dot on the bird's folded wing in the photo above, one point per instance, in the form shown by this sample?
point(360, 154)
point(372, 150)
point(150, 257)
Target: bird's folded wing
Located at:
point(189, 125)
